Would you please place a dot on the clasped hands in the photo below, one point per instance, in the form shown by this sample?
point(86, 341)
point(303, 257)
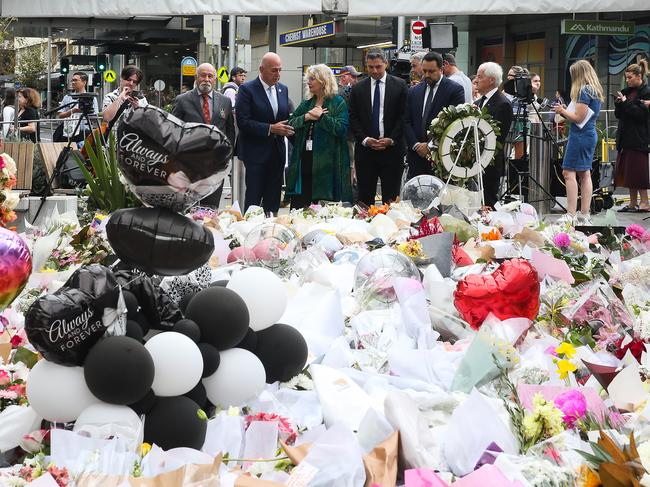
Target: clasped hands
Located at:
point(378, 144)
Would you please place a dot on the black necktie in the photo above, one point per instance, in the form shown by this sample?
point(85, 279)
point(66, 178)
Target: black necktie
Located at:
point(427, 102)
point(376, 100)
point(481, 101)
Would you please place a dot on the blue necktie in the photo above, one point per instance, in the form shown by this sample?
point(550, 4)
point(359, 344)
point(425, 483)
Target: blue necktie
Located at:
point(375, 111)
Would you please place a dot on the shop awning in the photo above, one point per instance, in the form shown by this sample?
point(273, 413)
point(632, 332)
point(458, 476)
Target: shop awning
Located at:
point(389, 8)
point(148, 8)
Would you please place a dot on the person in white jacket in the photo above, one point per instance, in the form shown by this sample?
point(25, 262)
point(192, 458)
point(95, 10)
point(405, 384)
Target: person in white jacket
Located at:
point(8, 111)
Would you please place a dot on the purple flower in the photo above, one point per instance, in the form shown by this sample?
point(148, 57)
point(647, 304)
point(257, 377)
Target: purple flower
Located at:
point(573, 404)
point(562, 240)
point(635, 230)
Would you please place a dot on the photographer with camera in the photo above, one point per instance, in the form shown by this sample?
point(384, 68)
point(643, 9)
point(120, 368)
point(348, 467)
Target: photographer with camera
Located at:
point(130, 78)
point(74, 104)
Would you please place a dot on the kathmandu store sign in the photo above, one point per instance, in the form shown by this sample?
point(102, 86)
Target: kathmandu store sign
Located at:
point(597, 27)
point(306, 34)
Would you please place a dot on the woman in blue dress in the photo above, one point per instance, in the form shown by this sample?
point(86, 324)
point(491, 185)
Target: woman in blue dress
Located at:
point(587, 96)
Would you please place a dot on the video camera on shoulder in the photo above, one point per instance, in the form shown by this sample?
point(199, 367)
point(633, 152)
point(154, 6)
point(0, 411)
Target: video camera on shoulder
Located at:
point(85, 102)
point(520, 87)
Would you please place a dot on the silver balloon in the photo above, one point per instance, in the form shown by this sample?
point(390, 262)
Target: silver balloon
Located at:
point(422, 190)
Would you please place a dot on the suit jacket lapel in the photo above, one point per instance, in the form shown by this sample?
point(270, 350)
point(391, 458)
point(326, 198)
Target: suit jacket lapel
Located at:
point(198, 102)
point(215, 107)
point(282, 107)
point(265, 97)
point(368, 97)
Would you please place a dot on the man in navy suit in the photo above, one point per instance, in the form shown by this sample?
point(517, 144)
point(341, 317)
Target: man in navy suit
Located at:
point(262, 113)
point(377, 122)
point(424, 102)
point(489, 77)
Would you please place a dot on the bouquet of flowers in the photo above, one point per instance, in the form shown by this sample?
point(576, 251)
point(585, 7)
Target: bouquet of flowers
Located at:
point(8, 200)
point(33, 468)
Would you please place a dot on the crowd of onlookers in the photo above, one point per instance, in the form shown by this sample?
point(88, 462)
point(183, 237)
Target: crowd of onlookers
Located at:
point(352, 131)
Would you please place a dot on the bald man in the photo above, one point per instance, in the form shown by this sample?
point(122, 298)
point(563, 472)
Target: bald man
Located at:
point(262, 112)
point(205, 105)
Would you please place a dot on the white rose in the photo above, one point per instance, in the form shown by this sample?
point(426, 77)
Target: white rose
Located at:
point(11, 200)
point(10, 164)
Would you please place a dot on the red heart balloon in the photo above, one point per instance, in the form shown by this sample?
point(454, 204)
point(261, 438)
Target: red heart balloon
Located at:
point(511, 291)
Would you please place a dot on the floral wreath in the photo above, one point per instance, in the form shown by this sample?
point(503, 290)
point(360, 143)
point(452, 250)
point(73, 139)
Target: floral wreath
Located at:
point(446, 135)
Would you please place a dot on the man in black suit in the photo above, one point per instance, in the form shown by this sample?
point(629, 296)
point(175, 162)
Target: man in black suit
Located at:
point(489, 76)
point(205, 105)
point(377, 121)
point(424, 102)
point(263, 108)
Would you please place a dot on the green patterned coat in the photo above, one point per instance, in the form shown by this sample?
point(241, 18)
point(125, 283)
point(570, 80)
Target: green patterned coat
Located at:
point(331, 167)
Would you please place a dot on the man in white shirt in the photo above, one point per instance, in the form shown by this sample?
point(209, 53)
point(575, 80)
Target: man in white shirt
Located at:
point(377, 107)
point(78, 83)
point(451, 71)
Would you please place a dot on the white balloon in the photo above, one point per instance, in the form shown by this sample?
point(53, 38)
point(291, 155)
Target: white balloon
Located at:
point(264, 294)
point(177, 361)
point(58, 393)
point(240, 377)
point(103, 421)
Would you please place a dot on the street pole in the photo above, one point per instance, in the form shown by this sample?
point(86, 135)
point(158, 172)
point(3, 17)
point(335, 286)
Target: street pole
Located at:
point(49, 67)
point(401, 21)
point(232, 32)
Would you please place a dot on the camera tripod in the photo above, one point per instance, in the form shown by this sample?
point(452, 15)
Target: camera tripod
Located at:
point(523, 172)
point(63, 155)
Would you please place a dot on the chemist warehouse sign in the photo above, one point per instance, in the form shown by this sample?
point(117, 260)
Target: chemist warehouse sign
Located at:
point(305, 34)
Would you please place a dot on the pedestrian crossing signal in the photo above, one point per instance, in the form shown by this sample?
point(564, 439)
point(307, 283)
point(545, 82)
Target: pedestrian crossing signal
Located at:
point(64, 66)
point(102, 62)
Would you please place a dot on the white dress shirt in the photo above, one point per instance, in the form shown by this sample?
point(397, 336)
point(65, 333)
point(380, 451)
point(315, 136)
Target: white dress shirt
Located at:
point(271, 94)
point(489, 94)
point(426, 95)
point(382, 96)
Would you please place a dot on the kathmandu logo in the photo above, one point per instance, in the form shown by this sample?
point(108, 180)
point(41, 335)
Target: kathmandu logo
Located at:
point(577, 27)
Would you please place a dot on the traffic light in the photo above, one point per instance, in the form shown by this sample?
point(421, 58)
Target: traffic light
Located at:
point(62, 83)
point(97, 80)
point(64, 66)
point(101, 63)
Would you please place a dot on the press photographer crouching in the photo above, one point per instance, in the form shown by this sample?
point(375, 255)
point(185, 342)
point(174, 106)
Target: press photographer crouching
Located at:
point(73, 105)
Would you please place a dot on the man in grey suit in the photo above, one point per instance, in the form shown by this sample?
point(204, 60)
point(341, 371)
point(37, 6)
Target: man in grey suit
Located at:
point(205, 105)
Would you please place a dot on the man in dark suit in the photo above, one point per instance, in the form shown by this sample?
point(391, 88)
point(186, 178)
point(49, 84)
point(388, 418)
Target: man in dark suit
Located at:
point(262, 113)
point(377, 120)
point(424, 102)
point(205, 105)
point(489, 76)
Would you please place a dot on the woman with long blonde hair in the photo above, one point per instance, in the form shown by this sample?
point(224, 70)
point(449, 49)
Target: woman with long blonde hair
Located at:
point(320, 162)
point(586, 96)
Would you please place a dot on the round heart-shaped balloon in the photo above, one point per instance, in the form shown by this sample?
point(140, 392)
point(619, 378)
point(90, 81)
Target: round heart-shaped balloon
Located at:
point(169, 163)
point(511, 291)
point(65, 325)
point(15, 266)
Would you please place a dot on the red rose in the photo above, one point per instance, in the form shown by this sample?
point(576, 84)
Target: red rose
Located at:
point(16, 341)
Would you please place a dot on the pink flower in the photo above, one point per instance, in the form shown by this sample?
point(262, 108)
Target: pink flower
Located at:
point(646, 236)
point(562, 240)
point(287, 432)
point(635, 231)
point(33, 442)
point(573, 404)
point(551, 351)
point(4, 378)
point(6, 394)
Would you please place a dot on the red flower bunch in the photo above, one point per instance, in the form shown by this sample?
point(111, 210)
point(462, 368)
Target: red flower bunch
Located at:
point(636, 347)
point(427, 227)
point(288, 433)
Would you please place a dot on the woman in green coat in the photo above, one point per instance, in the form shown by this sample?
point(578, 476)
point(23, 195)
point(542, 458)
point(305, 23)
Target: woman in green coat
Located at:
point(320, 162)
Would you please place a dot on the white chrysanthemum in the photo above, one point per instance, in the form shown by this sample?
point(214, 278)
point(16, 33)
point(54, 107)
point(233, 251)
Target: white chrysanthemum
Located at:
point(11, 200)
point(10, 164)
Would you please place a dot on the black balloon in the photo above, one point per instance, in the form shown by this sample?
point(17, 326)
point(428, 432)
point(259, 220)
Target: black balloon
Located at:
point(198, 395)
point(119, 370)
point(184, 301)
point(157, 309)
point(64, 326)
point(222, 316)
point(132, 305)
point(168, 163)
point(144, 405)
point(189, 329)
point(174, 422)
point(159, 241)
point(249, 342)
point(134, 330)
point(211, 359)
point(220, 283)
point(283, 352)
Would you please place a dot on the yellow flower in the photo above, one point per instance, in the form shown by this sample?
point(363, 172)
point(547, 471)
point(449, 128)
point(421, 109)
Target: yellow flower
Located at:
point(144, 449)
point(566, 349)
point(564, 367)
point(532, 427)
point(588, 478)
